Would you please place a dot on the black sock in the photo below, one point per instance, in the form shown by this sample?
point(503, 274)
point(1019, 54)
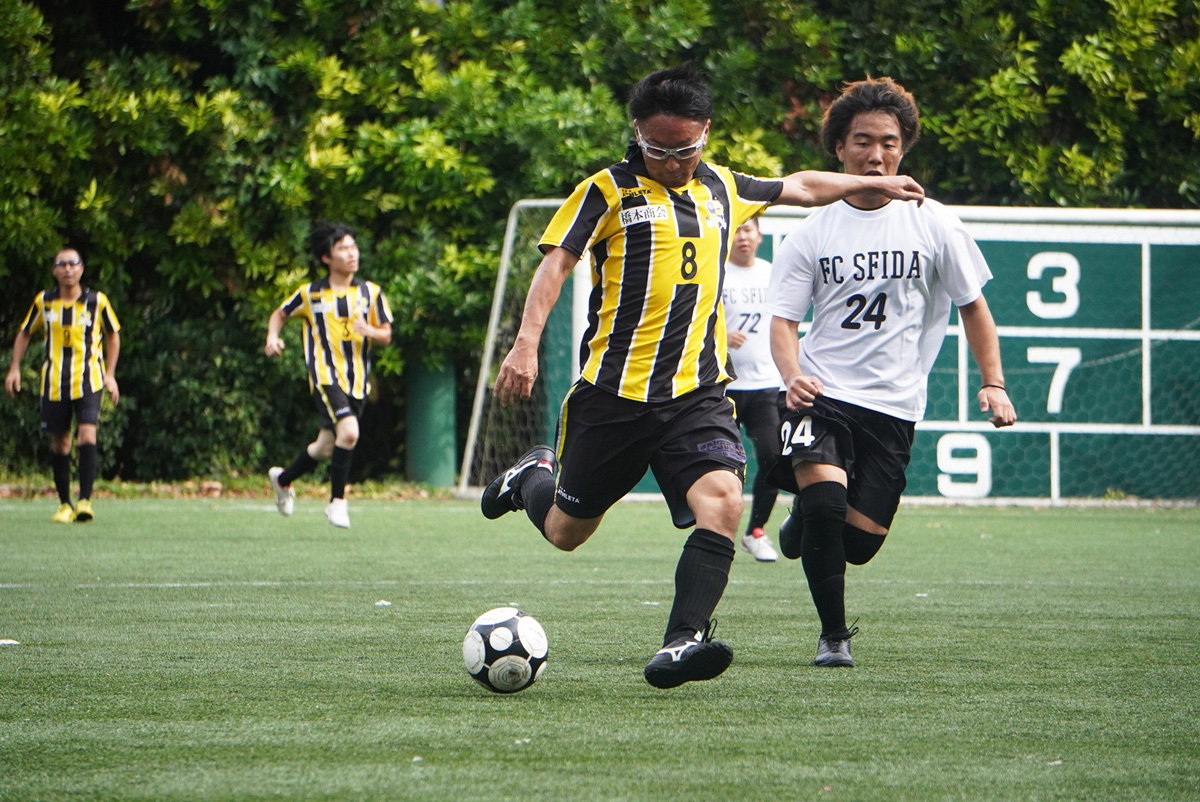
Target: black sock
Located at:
point(301, 465)
point(87, 469)
point(537, 496)
point(861, 546)
point(339, 471)
point(823, 509)
point(762, 502)
point(700, 579)
point(61, 465)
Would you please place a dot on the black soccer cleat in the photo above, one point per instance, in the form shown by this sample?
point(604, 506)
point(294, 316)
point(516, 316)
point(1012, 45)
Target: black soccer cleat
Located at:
point(689, 659)
point(790, 532)
point(835, 652)
point(502, 495)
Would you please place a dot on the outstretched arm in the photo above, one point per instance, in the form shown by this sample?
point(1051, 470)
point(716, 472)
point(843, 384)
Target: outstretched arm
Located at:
point(520, 367)
point(819, 188)
point(980, 330)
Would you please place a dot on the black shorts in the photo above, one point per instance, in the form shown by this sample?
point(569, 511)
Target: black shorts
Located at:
point(606, 443)
point(872, 447)
point(333, 404)
point(56, 415)
point(758, 413)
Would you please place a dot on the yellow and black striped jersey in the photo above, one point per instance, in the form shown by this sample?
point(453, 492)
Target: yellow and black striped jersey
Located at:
point(74, 365)
point(656, 326)
point(334, 353)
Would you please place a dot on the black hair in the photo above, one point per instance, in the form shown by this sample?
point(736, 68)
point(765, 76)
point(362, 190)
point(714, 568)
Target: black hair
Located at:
point(681, 91)
point(324, 236)
point(873, 94)
point(71, 246)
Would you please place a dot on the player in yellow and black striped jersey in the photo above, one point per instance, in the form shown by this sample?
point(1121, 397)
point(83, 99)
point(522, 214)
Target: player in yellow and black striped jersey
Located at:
point(343, 317)
point(656, 325)
point(658, 226)
point(82, 347)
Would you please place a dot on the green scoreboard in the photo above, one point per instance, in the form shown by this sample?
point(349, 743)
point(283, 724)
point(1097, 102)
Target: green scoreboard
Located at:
point(1098, 313)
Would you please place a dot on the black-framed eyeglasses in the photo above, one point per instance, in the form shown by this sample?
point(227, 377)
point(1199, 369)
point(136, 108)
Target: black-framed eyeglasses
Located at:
point(67, 262)
point(662, 154)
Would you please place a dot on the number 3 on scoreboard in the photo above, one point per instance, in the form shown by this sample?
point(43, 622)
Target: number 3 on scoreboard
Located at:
point(801, 436)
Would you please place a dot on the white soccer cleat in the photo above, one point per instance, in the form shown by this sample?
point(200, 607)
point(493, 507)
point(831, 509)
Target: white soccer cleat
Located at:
point(285, 497)
point(338, 513)
point(758, 544)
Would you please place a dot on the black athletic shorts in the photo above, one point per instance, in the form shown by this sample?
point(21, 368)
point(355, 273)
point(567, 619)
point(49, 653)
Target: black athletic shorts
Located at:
point(606, 443)
point(333, 404)
point(874, 449)
point(56, 415)
point(758, 413)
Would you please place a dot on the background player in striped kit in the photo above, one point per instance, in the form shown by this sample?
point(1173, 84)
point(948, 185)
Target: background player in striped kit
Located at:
point(82, 346)
point(880, 277)
point(756, 391)
point(653, 361)
point(343, 316)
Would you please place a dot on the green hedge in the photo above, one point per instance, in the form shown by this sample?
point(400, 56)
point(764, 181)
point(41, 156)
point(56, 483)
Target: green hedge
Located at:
point(188, 144)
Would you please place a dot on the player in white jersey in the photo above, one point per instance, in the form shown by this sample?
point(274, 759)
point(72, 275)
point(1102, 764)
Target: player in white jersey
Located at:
point(755, 392)
point(880, 277)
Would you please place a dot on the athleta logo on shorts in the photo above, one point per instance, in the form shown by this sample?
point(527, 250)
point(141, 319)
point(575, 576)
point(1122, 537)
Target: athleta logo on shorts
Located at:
point(567, 496)
point(643, 214)
point(725, 448)
point(340, 411)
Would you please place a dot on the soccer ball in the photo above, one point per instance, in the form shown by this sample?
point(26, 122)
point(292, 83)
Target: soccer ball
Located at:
point(505, 650)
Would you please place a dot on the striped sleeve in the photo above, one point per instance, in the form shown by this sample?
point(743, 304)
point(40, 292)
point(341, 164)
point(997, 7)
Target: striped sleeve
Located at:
point(754, 195)
point(108, 316)
point(380, 309)
point(292, 304)
point(577, 220)
point(34, 318)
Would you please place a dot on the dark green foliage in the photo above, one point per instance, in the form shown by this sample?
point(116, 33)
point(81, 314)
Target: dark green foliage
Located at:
point(188, 145)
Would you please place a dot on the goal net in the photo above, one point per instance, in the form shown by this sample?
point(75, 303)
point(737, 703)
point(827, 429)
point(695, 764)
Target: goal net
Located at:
point(498, 434)
point(1100, 335)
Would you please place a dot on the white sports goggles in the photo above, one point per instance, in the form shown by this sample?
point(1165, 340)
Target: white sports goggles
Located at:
point(662, 154)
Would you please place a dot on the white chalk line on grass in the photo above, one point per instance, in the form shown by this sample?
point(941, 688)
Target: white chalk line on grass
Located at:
point(389, 583)
point(308, 583)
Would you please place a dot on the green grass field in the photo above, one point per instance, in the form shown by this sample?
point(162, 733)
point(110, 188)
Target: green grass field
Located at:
point(214, 650)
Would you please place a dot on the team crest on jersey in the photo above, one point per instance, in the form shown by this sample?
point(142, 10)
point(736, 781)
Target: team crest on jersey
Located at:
point(643, 214)
point(714, 214)
point(318, 307)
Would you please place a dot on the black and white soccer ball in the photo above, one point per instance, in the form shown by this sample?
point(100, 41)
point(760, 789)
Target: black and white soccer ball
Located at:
point(505, 650)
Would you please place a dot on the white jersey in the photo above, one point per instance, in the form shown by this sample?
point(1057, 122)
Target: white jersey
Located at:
point(880, 284)
point(744, 294)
